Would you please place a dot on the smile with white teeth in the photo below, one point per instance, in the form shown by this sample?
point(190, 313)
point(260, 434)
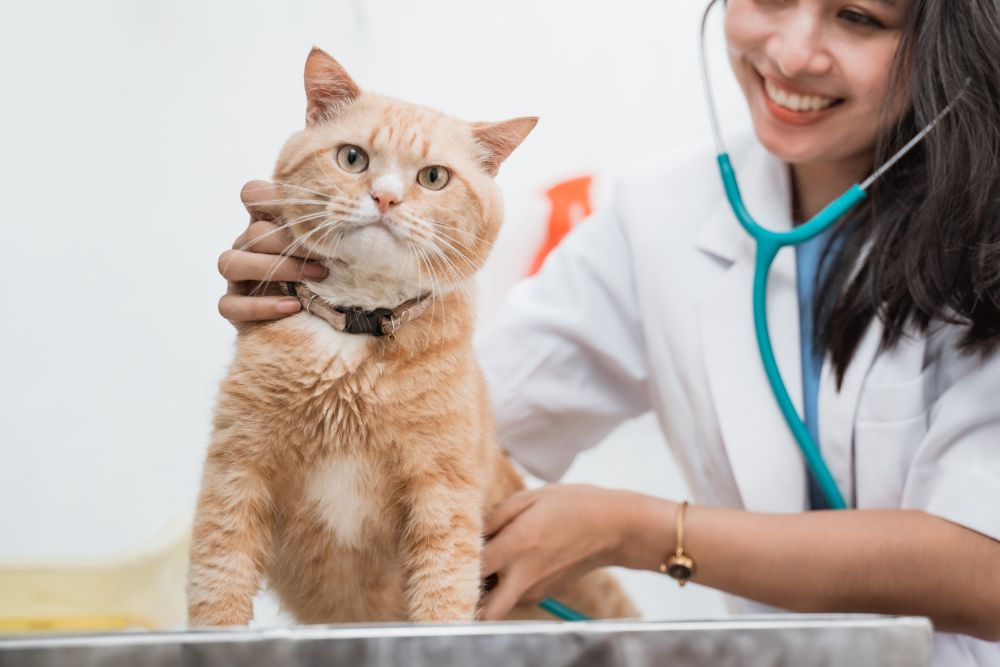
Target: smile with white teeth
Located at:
point(799, 103)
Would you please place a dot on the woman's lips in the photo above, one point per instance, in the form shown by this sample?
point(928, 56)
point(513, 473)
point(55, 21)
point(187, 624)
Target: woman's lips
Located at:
point(804, 111)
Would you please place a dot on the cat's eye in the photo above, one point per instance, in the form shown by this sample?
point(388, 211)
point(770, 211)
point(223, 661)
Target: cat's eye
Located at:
point(434, 177)
point(352, 159)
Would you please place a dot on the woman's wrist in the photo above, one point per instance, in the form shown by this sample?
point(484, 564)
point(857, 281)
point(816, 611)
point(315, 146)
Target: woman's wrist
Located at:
point(647, 534)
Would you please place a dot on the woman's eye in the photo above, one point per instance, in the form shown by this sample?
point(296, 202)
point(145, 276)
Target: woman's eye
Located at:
point(434, 177)
point(857, 18)
point(352, 159)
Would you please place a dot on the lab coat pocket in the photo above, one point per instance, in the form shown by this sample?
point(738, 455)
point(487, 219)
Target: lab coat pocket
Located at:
point(890, 424)
point(883, 454)
point(886, 403)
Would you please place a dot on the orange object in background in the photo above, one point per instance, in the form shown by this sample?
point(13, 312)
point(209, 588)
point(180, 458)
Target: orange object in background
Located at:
point(570, 203)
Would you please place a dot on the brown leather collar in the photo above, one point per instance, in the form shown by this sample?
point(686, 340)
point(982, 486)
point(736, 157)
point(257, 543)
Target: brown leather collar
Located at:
point(356, 320)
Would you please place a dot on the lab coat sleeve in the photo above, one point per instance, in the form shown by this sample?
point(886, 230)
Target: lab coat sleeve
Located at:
point(955, 472)
point(564, 357)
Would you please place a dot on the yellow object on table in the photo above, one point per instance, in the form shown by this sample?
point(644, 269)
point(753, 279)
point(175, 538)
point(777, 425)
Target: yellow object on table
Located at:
point(139, 590)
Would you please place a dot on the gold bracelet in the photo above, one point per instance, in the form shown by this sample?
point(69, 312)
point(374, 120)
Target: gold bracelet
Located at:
point(680, 565)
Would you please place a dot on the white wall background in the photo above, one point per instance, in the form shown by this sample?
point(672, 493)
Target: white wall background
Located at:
point(126, 131)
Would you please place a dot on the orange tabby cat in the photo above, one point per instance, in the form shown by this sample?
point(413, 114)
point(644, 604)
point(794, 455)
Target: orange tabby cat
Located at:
point(353, 470)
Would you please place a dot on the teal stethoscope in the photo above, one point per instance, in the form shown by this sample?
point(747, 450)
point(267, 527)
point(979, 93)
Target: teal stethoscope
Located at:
point(768, 244)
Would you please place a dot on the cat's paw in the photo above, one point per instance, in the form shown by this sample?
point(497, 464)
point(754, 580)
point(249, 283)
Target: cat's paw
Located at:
point(444, 613)
point(209, 617)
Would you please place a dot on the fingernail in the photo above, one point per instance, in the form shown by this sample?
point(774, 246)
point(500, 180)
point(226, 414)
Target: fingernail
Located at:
point(314, 270)
point(286, 306)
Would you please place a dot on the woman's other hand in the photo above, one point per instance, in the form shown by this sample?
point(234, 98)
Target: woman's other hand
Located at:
point(258, 255)
point(543, 539)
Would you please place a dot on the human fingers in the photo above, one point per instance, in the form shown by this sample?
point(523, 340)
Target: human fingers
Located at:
point(520, 574)
point(499, 553)
point(507, 511)
point(270, 239)
point(239, 309)
point(259, 198)
point(557, 581)
point(239, 265)
point(499, 601)
point(264, 237)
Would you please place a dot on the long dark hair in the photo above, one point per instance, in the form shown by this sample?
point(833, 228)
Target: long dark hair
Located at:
point(926, 246)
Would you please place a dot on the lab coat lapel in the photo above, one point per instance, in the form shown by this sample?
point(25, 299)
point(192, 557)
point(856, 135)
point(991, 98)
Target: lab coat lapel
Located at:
point(765, 460)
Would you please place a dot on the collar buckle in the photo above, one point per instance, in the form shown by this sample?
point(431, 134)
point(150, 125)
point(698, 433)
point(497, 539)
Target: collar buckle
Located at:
point(359, 321)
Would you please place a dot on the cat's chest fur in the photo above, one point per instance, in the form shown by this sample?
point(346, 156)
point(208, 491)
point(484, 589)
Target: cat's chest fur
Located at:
point(343, 491)
point(325, 344)
point(341, 481)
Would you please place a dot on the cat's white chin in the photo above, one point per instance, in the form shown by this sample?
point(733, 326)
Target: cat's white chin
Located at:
point(377, 232)
point(370, 275)
point(371, 247)
point(373, 266)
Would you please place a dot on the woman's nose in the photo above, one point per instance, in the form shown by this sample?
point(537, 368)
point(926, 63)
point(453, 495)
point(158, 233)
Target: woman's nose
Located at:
point(797, 48)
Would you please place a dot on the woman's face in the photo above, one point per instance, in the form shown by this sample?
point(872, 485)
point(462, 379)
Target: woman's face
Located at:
point(815, 72)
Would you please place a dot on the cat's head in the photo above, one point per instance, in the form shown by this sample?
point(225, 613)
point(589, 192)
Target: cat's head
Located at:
point(391, 190)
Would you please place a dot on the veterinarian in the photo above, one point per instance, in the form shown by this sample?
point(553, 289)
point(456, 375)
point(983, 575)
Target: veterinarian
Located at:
point(884, 329)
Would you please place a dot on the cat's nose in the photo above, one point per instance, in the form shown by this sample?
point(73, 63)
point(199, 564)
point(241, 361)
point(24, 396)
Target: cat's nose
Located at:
point(384, 199)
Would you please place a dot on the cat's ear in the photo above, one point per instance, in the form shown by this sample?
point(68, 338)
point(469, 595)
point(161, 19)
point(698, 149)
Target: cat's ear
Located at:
point(500, 139)
point(328, 87)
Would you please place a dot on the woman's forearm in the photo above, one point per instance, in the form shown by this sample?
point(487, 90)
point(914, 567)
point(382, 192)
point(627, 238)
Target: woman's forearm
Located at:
point(880, 561)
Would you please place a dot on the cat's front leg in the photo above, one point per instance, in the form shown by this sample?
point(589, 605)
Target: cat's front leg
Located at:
point(442, 542)
point(230, 544)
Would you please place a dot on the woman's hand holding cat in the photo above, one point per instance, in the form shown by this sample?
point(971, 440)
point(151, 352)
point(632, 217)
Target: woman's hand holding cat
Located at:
point(544, 538)
point(259, 255)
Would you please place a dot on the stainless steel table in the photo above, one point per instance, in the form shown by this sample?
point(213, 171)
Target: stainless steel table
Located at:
point(801, 641)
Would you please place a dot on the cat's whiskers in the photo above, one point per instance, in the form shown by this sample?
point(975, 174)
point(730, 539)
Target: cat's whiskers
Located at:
point(280, 228)
point(338, 218)
point(302, 187)
point(441, 225)
point(299, 242)
point(442, 231)
point(458, 280)
point(447, 241)
point(437, 287)
point(414, 259)
point(291, 202)
point(435, 284)
point(420, 271)
point(421, 265)
point(436, 230)
point(299, 220)
point(427, 248)
point(323, 226)
point(421, 244)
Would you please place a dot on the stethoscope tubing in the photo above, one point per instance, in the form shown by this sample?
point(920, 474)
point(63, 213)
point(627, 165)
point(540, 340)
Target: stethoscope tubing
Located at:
point(769, 243)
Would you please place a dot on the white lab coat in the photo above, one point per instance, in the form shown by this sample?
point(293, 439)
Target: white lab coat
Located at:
point(647, 306)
